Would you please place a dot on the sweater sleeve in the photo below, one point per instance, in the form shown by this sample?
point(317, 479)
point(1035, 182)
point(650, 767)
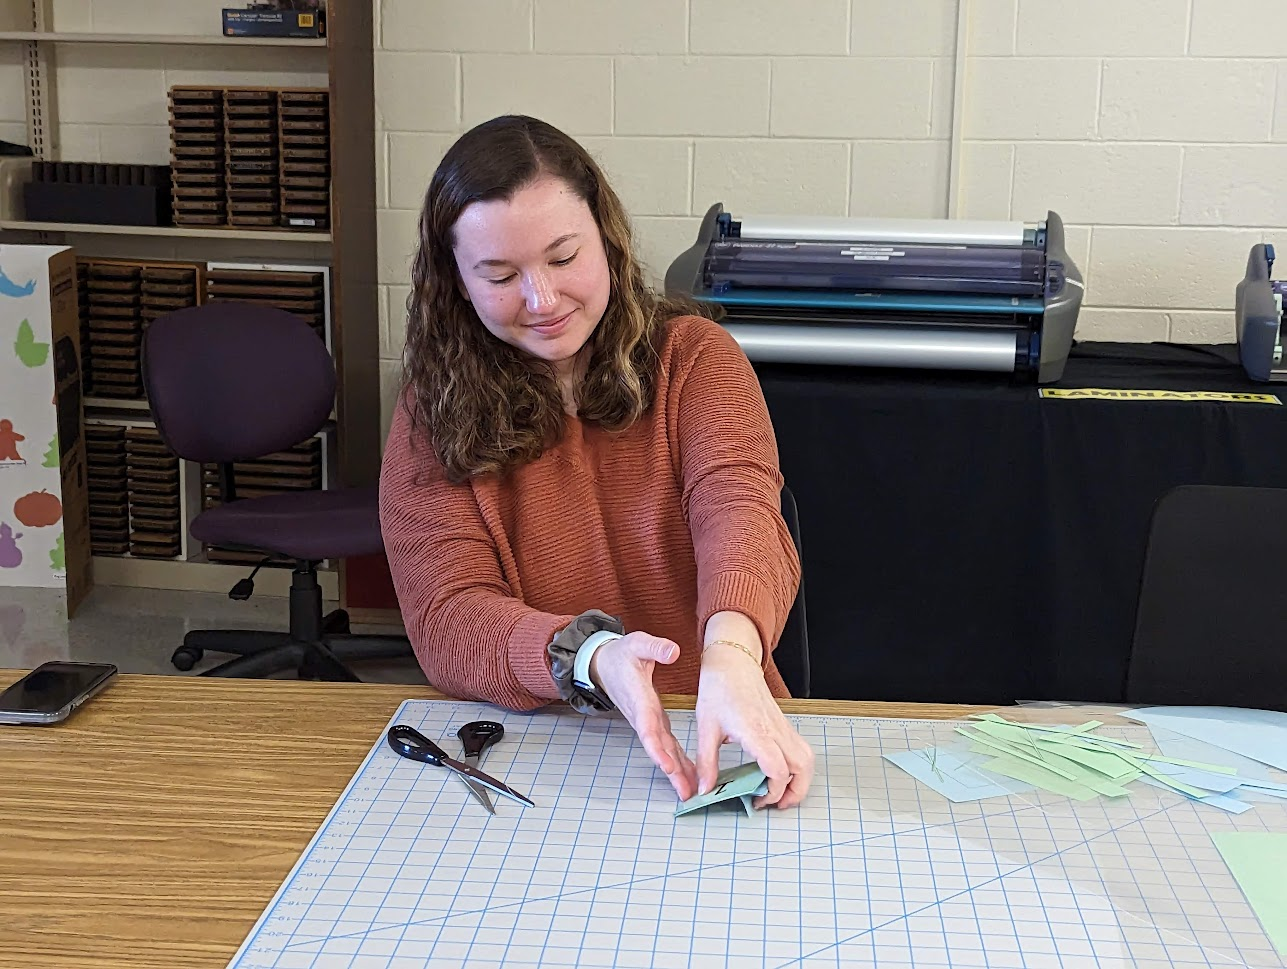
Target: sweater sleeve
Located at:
point(473, 638)
point(746, 560)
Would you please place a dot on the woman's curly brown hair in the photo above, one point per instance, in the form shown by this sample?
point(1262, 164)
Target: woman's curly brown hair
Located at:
point(488, 406)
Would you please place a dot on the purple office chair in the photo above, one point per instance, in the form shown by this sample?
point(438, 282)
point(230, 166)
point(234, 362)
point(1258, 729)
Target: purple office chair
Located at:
point(231, 381)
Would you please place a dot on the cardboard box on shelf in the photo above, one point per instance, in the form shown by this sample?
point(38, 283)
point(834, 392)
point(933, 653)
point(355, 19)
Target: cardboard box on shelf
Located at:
point(276, 18)
point(44, 505)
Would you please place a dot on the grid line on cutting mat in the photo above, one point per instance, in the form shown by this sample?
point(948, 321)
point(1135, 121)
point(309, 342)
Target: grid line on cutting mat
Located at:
point(873, 870)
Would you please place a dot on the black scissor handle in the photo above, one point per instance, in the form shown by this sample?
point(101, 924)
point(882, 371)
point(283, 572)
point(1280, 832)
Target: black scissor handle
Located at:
point(479, 735)
point(410, 742)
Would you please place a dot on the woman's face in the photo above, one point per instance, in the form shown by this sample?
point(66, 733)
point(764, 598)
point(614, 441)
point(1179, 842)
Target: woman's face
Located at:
point(535, 269)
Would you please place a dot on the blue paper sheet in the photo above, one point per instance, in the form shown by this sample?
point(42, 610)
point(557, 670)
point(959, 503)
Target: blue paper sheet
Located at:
point(1222, 801)
point(1199, 752)
point(1271, 790)
point(1194, 777)
point(1258, 734)
point(954, 774)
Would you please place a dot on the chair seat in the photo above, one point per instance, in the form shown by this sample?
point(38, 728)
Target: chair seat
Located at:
point(311, 525)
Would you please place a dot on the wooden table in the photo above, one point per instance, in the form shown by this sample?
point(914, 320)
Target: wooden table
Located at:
point(151, 829)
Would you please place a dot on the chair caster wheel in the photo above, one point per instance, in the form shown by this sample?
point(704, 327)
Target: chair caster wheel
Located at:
point(336, 624)
point(186, 657)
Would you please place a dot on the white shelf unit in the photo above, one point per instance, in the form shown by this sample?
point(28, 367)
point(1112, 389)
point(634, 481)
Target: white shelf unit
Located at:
point(178, 231)
point(351, 449)
point(242, 265)
point(205, 40)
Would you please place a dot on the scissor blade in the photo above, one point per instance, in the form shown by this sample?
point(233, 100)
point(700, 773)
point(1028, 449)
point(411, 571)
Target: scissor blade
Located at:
point(487, 781)
point(479, 792)
point(475, 788)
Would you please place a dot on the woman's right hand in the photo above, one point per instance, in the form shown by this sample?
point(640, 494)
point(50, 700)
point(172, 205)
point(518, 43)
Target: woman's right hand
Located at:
point(623, 669)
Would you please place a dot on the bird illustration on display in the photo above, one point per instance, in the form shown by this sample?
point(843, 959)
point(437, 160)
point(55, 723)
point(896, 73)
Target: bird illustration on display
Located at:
point(10, 553)
point(31, 352)
point(9, 288)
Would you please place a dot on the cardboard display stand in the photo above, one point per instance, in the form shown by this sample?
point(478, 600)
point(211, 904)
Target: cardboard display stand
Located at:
point(44, 506)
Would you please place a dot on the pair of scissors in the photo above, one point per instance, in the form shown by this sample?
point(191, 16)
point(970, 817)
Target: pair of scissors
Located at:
point(476, 737)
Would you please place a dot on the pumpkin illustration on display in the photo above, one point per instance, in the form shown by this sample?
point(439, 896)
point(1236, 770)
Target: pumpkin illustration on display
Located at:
point(38, 509)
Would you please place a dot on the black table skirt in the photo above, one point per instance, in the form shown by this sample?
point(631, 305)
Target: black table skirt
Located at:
point(967, 540)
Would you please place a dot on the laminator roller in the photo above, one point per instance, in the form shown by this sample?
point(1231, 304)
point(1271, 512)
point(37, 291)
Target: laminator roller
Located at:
point(910, 293)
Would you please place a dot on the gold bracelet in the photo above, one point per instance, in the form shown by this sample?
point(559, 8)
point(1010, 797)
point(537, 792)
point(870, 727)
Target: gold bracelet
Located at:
point(729, 642)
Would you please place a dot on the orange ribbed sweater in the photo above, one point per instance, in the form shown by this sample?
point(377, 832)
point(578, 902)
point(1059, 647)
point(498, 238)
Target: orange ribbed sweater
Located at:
point(662, 525)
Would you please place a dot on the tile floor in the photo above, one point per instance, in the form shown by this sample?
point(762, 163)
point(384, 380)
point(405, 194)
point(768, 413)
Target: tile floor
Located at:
point(138, 629)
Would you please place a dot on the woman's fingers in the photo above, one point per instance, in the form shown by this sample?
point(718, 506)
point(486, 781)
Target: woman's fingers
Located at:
point(685, 780)
point(663, 750)
point(801, 764)
point(768, 754)
point(710, 735)
point(787, 761)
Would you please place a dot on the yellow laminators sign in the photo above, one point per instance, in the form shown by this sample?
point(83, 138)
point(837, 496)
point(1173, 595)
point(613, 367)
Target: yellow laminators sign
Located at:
point(1099, 393)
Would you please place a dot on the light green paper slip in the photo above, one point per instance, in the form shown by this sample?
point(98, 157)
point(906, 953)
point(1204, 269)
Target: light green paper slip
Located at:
point(997, 718)
point(1061, 733)
point(1017, 751)
point(1069, 772)
point(1171, 782)
point(1258, 860)
point(1028, 736)
point(1104, 762)
point(1070, 756)
point(1028, 740)
point(1022, 770)
point(1057, 758)
point(1108, 786)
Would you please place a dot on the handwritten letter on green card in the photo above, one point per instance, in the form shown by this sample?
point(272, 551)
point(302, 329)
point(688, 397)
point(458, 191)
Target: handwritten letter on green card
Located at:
point(1258, 860)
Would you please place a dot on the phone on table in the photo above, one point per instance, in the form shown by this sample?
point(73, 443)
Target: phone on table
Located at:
point(50, 692)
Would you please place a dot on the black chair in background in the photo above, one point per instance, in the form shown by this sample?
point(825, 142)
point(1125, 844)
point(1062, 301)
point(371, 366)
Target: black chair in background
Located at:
point(1209, 629)
point(231, 382)
point(792, 653)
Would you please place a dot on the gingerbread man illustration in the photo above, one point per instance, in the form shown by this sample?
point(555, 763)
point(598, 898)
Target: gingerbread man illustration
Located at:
point(9, 439)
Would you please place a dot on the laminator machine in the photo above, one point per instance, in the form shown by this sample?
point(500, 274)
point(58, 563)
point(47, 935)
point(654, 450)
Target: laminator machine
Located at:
point(1258, 315)
point(917, 293)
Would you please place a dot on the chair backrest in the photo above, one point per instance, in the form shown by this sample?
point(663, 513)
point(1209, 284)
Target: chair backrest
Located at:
point(230, 381)
point(792, 653)
point(1209, 626)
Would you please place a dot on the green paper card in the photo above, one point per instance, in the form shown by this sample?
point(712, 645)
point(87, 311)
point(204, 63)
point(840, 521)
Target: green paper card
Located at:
point(1258, 860)
point(745, 782)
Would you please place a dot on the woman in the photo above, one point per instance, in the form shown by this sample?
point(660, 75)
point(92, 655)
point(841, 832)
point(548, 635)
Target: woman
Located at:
point(580, 490)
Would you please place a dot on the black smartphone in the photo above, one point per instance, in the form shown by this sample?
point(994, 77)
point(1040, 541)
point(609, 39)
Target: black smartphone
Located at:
point(50, 692)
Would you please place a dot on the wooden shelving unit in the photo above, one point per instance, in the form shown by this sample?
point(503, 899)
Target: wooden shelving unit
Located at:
point(349, 248)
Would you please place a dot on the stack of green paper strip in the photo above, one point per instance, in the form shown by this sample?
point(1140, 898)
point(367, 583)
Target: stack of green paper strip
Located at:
point(1074, 762)
point(1069, 761)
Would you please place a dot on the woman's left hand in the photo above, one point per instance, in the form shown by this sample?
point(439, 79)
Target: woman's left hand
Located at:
point(734, 704)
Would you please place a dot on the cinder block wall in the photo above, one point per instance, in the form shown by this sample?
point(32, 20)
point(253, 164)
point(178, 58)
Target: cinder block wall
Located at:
point(1156, 128)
